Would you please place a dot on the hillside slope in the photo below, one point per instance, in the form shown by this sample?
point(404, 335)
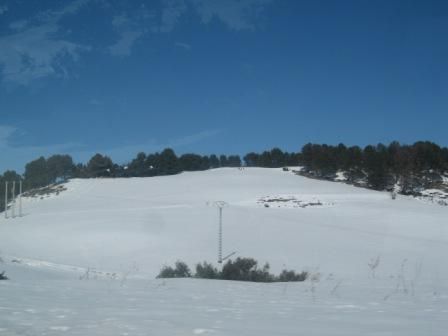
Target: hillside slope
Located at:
point(362, 248)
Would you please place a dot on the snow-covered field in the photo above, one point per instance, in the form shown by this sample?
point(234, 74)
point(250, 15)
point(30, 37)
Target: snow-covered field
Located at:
point(84, 262)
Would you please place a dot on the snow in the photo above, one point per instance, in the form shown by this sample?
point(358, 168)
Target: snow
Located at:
point(445, 179)
point(340, 176)
point(84, 262)
point(435, 196)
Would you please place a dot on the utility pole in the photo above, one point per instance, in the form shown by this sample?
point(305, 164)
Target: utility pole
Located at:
point(20, 199)
point(6, 199)
point(13, 203)
point(220, 205)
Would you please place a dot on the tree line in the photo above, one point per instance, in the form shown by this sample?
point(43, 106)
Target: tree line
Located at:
point(379, 167)
point(242, 269)
point(374, 166)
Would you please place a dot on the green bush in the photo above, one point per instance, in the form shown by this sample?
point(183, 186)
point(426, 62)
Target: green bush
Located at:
point(242, 269)
point(181, 270)
point(287, 276)
point(3, 276)
point(246, 269)
point(206, 271)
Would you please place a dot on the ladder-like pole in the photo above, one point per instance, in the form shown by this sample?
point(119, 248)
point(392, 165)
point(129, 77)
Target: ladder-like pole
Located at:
point(220, 237)
point(20, 199)
point(13, 201)
point(6, 199)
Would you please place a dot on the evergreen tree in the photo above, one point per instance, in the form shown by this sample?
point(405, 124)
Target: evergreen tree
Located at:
point(100, 166)
point(60, 167)
point(223, 161)
point(138, 167)
point(152, 162)
point(234, 161)
point(168, 163)
point(277, 158)
point(214, 161)
point(36, 174)
point(251, 159)
point(191, 162)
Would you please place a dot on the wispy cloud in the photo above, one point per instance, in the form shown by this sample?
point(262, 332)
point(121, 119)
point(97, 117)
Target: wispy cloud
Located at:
point(125, 43)
point(128, 33)
point(125, 153)
point(5, 134)
point(171, 13)
point(237, 15)
point(18, 156)
point(18, 25)
point(95, 102)
point(33, 54)
point(34, 47)
point(3, 9)
point(183, 45)
point(32, 51)
point(192, 139)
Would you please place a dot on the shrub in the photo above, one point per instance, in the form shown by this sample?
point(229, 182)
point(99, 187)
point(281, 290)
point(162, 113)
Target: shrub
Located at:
point(262, 275)
point(207, 271)
point(3, 276)
point(181, 270)
point(245, 269)
point(287, 276)
point(242, 269)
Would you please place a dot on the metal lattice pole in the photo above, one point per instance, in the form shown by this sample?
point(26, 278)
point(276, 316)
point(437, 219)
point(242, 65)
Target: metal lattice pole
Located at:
point(20, 199)
point(220, 237)
point(6, 199)
point(220, 205)
point(13, 201)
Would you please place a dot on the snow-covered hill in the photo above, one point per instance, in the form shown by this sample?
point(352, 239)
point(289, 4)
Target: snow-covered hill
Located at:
point(83, 262)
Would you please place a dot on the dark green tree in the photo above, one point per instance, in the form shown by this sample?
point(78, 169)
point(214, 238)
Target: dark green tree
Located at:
point(60, 167)
point(168, 163)
point(100, 166)
point(234, 161)
point(37, 174)
point(214, 161)
point(138, 167)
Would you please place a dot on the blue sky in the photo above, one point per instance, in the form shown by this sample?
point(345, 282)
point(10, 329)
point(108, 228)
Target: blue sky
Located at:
point(218, 76)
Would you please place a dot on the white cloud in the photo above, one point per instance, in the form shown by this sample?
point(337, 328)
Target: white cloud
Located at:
point(33, 52)
point(18, 156)
point(128, 33)
point(55, 15)
point(237, 15)
point(5, 134)
point(95, 102)
point(72, 8)
point(124, 154)
point(120, 20)
point(192, 139)
point(3, 9)
point(172, 11)
point(15, 157)
point(124, 44)
point(18, 25)
point(182, 45)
